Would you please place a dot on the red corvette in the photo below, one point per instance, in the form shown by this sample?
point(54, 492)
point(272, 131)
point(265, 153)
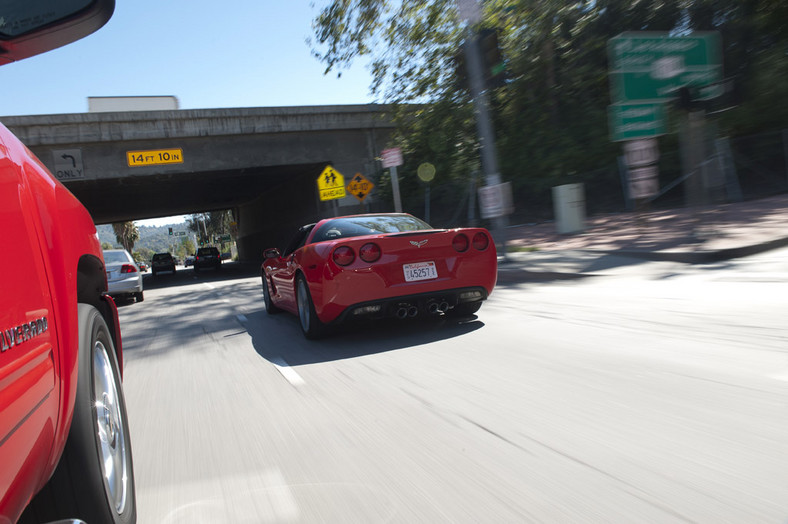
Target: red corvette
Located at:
point(378, 265)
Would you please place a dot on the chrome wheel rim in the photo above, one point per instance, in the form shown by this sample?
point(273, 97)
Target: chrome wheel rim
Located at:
point(110, 426)
point(303, 305)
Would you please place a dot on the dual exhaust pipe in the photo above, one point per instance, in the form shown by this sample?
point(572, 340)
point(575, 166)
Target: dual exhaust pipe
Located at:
point(434, 307)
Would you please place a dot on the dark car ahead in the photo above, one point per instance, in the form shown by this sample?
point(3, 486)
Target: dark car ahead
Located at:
point(162, 262)
point(207, 257)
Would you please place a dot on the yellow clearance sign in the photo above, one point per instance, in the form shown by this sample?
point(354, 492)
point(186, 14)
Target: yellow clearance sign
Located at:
point(154, 157)
point(359, 186)
point(331, 184)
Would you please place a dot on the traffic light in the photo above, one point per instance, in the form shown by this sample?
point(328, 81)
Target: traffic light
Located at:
point(492, 60)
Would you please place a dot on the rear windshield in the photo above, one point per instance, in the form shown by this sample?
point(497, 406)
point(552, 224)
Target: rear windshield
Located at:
point(115, 257)
point(162, 256)
point(368, 225)
point(203, 251)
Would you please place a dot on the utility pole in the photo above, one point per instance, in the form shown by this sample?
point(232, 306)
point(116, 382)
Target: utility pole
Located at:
point(470, 13)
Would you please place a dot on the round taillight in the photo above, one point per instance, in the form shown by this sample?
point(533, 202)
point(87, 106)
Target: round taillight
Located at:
point(460, 243)
point(369, 252)
point(481, 241)
point(344, 256)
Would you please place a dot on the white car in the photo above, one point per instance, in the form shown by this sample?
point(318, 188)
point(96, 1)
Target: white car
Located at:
point(124, 278)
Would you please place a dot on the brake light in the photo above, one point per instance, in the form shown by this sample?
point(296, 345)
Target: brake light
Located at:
point(344, 256)
point(128, 268)
point(460, 243)
point(481, 241)
point(369, 252)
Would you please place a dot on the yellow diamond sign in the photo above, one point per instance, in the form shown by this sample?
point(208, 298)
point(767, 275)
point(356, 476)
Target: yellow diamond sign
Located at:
point(331, 184)
point(359, 186)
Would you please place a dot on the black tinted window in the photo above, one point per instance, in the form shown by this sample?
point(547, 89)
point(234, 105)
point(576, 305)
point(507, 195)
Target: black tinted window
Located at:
point(368, 225)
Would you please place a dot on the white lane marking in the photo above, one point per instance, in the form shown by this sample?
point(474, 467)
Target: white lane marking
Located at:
point(287, 372)
point(241, 318)
point(209, 286)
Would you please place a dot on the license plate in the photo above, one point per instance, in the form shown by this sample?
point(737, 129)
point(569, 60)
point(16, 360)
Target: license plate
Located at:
point(420, 271)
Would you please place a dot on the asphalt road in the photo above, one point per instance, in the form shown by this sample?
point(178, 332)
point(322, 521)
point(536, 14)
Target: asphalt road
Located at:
point(653, 392)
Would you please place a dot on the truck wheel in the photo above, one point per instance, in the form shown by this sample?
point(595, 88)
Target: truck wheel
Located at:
point(94, 480)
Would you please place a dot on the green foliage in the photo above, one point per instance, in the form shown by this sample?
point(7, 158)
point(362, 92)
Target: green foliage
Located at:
point(143, 254)
point(551, 115)
point(209, 225)
point(126, 233)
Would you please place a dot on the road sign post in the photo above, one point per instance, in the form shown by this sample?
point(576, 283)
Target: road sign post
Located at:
point(331, 184)
point(391, 159)
point(653, 66)
point(359, 187)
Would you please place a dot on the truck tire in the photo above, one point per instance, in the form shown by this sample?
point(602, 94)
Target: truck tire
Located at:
point(94, 480)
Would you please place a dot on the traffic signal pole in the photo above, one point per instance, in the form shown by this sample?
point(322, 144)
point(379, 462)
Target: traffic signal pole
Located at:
point(484, 128)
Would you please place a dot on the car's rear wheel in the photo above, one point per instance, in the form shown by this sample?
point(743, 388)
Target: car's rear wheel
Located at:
point(310, 324)
point(270, 308)
point(465, 309)
point(139, 297)
point(94, 480)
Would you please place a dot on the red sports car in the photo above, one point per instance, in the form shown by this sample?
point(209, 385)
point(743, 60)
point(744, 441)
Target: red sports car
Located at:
point(378, 265)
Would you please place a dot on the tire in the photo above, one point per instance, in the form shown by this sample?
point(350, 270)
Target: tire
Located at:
point(311, 326)
point(82, 486)
point(465, 309)
point(270, 308)
point(139, 297)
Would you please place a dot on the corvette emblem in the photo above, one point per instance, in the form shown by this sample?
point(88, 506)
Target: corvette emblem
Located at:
point(418, 243)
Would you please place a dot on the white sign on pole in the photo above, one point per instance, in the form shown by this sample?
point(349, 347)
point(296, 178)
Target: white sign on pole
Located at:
point(496, 201)
point(641, 152)
point(643, 182)
point(392, 157)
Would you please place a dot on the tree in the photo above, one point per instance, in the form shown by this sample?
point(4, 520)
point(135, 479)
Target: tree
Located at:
point(550, 115)
point(127, 234)
point(209, 225)
point(143, 254)
point(185, 248)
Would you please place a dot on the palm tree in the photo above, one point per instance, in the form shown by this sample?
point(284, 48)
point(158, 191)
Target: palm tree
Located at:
point(126, 234)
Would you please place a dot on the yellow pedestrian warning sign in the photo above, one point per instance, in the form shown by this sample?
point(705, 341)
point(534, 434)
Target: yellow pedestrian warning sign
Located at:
point(331, 184)
point(359, 186)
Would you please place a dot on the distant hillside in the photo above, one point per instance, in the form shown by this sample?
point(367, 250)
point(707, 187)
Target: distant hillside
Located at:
point(155, 238)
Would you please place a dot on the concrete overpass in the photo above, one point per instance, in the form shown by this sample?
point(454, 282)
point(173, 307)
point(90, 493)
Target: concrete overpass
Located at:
point(262, 163)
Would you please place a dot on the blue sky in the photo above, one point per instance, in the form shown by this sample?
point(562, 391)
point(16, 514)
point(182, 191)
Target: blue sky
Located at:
point(208, 54)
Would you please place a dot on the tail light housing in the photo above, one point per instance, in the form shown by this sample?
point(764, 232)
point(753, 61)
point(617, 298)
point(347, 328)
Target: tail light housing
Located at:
point(369, 252)
point(460, 243)
point(481, 241)
point(343, 256)
point(128, 268)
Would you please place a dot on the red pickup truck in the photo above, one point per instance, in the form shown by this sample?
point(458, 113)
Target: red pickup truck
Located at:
point(65, 451)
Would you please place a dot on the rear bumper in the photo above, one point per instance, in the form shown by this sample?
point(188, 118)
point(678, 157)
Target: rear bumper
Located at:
point(121, 287)
point(420, 304)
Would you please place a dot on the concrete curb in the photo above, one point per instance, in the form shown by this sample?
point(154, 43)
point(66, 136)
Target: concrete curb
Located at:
point(702, 256)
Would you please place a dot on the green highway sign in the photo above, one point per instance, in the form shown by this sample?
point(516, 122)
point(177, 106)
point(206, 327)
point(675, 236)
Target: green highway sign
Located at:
point(650, 66)
point(634, 120)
